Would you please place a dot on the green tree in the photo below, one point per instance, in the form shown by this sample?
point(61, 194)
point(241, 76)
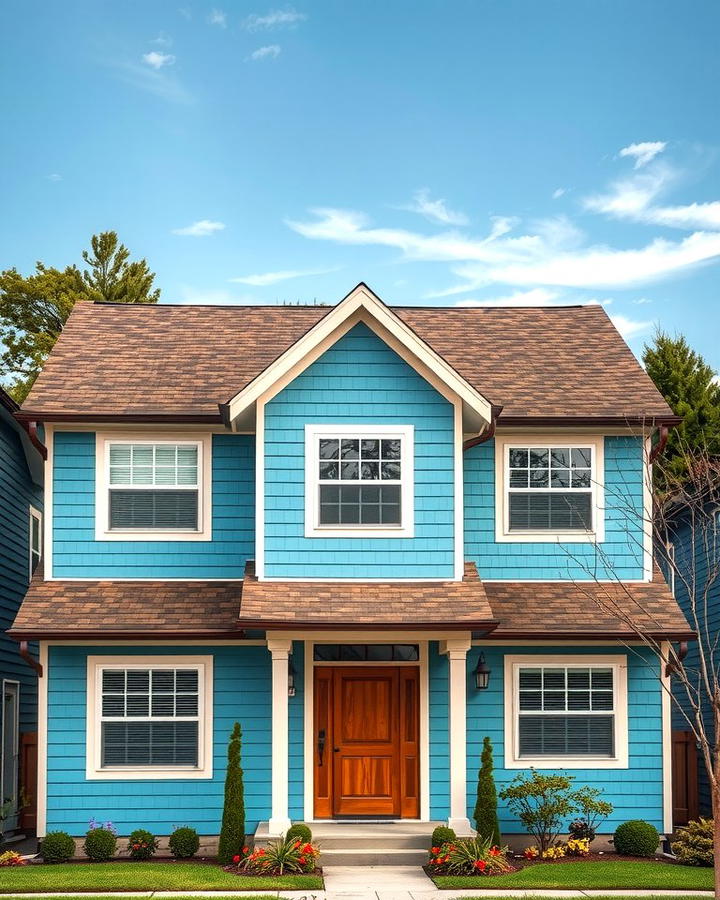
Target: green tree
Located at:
point(232, 830)
point(485, 815)
point(689, 385)
point(541, 802)
point(34, 308)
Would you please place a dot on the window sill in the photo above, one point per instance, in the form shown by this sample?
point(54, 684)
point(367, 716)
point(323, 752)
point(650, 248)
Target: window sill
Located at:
point(566, 762)
point(147, 773)
point(382, 531)
point(138, 535)
point(548, 537)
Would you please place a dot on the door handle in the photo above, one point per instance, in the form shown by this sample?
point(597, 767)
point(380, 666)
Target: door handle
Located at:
point(336, 749)
point(321, 746)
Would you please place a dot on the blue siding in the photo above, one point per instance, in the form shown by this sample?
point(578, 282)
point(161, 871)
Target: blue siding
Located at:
point(439, 733)
point(76, 553)
point(296, 727)
point(242, 689)
point(359, 380)
point(557, 561)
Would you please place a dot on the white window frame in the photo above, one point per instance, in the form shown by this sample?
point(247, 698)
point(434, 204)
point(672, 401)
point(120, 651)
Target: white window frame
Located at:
point(406, 435)
point(103, 441)
point(502, 486)
point(35, 514)
point(95, 771)
point(513, 664)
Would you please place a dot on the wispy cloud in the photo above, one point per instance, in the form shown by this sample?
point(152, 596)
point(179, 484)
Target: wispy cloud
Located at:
point(218, 17)
point(435, 210)
point(267, 278)
point(162, 40)
point(157, 60)
point(201, 228)
point(215, 296)
point(276, 18)
point(270, 51)
point(534, 297)
point(54, 176)
point(155, 81)
point(185, 12)
point(558, 193)
point(644, 152)
point(630, 328)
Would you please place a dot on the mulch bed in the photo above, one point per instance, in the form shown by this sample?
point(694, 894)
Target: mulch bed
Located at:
point(235, 870)
point(518, 863)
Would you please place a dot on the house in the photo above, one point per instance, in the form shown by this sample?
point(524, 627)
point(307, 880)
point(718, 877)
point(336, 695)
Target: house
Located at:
point(21, 474)
point(370, 535)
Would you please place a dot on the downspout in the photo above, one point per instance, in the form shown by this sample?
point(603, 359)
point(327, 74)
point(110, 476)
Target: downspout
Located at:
point(488, 433)
point(30, 659)
point(31, 427)
point(660, 446)
point(671, 666)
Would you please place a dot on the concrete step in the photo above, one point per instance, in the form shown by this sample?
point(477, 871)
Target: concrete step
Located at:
point(383, 839)
point(373, 857)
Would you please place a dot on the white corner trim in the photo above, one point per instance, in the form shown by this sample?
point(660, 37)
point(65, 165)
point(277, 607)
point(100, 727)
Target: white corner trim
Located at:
point(502, 532)
point(42, 742)
point(647, 512)
point(48, 506)
point(93, 768)
point(618, 662)
point(667, 767)
point(260, 489)
point(102, 481)
point(35, 513)
point(459, 498)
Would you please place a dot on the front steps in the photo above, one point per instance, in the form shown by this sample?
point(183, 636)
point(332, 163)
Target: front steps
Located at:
point(367, 843)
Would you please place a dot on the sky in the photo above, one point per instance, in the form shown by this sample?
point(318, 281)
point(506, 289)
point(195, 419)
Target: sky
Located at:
point(458, 152)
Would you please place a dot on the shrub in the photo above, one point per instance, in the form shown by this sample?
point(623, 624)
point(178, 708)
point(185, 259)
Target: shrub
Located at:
point(184, 842)
point(442, 835)
point(470, 856)
point(636, 838)
point(100, 844)
point(578, 847)
point(593, 811)
point(541, 802)
point(11, 858)
point(694, 844)
point(485, 815)
point(557, 851)
point(142, 844)
point(232, 831)
point(57, 847)
point(299, 831)
point(280, 857)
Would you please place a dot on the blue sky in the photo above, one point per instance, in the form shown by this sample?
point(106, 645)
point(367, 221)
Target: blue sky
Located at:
point(444, 152)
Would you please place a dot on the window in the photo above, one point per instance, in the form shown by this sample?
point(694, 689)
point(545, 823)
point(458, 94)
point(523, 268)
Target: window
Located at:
point(564, 711)
point(150, 717)
point(366, 653)
point(35, 539)
point(359, 480)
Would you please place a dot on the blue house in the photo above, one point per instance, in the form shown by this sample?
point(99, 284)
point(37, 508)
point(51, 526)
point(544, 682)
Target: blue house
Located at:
point(21, 474)
point(372, 536)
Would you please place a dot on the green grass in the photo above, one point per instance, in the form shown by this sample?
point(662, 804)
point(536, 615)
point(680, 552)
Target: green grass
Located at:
point(609, 897)
point(611, 873)
point(144, 876)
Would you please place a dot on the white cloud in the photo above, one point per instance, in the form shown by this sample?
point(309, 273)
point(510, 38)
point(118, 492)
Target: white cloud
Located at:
point(162, 40)
point(644, 152)
point(216, 296)
point(276, 18)
point(157, 60)
point(641, 301)
point(185, 13)
point(158, 82)
point(630, 328)
point(271, 51)
point(267, 278)
point(201, 228)
point(558, 193)
point(218, 17)
point(534, 297)
point(54, 176)
point(435, 210)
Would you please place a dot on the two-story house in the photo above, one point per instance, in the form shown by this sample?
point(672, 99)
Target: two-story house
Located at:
point(368, 534)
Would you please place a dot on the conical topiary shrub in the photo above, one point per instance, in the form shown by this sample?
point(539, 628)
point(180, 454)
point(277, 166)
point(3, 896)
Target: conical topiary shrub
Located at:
point(485, 815)
point(232, 832)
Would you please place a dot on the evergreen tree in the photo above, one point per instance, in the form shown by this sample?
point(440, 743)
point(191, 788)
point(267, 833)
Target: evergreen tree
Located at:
point(485, 815)
point(232, 831)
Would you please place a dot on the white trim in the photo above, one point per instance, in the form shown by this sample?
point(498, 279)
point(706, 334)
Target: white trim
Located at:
point(35, 513)
point(667, 767)
point(280, 649)
point(618, 662)
point(459, 498)
point(197, 642)
point(456, 649)
point(502, 447)
point(557, 643)
point(16, 742)
point(406, 435)
point(260, 490)
point(42, 741)
point(93, 768)
point(203, 442)
point(48, 504)
point(647, 512)
point(332, 580)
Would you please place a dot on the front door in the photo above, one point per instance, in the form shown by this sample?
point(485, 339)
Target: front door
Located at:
point(366, 742)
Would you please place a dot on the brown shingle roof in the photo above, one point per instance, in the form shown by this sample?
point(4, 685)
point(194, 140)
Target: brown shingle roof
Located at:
point(185, 360)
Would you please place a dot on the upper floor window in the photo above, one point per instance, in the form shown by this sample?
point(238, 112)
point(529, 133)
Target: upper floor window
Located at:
point(35, 539)
point(359, 480)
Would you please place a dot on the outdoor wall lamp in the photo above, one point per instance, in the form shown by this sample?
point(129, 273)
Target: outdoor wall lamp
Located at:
point(291, 678)
point(481, 673)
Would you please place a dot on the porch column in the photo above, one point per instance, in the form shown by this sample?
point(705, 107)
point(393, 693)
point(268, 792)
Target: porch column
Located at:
point(280, 819)
point(457, 649)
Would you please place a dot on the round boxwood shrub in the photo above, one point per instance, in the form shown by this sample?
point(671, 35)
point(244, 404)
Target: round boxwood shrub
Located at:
point(442, 835)
point(184, 842)
point(299, 831)
point(636, 838)
point(694, 843)
point(57, 847)
point(142, 844)
point(100, 844)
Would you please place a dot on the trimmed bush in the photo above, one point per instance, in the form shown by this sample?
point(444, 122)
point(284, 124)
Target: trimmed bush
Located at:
point(695, 842)
point(57, 847)
point(184, 842)
point(232, 831)
point(142, 844)
point(442, 835)
point(636, 838)
point(485, 815)
point(299, 831)
point(100, 844)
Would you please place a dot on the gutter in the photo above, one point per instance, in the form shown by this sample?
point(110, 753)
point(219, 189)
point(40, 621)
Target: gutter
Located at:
point(682, 636)
point(30, 659)
point(483, 628)
point(660, 446)
point(489, 432)
point(23, 636)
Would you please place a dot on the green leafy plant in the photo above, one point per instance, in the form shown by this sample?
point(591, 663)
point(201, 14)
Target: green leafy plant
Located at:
point(11, 858)
point(485, 815)
point(281, 857)
point(469, 856)
point(541, 802)
point(299, 831)
point(636, 838)
point(100, 844)
point(184, 842)
point(694, 843)
point(57, 847)
point(442, 835)
point(232, 831)
point(142, 844)
point(593, 812)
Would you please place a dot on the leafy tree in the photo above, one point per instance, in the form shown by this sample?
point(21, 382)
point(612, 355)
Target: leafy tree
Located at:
point(232, 830)
point(485, 815)
point(541, 802)
point(34, 308)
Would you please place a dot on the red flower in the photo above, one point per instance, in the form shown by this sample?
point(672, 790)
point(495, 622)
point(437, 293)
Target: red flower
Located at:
point(236, 859)
point(245, 849)
point(435, 850)
point(480, 864)
point(302, 860)
point(308, 848)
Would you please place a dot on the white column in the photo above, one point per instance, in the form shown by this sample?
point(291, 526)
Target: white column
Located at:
point(457, 649)
point(279, 819)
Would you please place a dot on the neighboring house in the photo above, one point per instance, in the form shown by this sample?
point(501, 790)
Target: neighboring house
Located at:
point(21, 474)
point(328, 524)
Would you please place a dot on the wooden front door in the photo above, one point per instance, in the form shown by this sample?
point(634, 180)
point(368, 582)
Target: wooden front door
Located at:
point(366, 741)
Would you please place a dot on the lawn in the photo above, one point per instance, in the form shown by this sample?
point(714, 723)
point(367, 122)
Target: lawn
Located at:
point(612, 874)
point(144, 876)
